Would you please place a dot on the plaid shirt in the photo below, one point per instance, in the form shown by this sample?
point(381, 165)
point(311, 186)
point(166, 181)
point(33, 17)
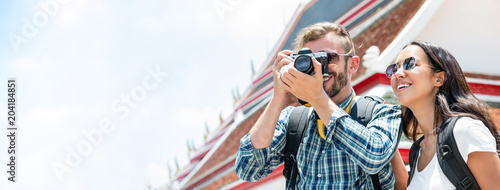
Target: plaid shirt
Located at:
point(350, 153)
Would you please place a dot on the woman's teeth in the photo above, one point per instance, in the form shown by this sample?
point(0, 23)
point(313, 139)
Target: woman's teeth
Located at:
point(403, 86)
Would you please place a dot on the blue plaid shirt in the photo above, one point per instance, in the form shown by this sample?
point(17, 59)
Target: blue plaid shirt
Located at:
point(350, 153)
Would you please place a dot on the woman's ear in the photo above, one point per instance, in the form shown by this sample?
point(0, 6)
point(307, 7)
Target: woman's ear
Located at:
point(440, 78)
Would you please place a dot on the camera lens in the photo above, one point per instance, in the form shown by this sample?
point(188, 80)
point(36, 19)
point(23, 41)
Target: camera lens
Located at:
point(303, 64)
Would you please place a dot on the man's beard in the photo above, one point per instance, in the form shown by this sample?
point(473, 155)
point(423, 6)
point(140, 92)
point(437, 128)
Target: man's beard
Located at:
point(339, 82)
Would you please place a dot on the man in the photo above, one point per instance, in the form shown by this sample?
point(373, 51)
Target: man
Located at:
point(350, 152)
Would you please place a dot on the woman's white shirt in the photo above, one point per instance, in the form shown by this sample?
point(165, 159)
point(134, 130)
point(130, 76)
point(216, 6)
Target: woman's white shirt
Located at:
point(471, 136)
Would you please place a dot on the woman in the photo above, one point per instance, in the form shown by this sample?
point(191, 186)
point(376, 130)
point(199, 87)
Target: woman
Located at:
point(431, 87)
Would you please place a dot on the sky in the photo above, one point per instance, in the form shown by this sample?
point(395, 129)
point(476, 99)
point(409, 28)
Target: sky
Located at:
point(108, 92)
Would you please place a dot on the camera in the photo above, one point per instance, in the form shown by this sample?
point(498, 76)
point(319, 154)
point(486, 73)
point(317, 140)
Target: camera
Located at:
point(303, 61)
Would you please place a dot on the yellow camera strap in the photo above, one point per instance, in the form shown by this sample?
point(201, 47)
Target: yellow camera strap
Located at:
point(321, 128)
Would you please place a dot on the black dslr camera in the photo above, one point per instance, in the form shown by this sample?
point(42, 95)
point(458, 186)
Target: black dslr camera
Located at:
point(303, 61)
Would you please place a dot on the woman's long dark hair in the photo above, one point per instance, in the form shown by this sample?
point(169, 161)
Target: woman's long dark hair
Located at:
point(454, 98)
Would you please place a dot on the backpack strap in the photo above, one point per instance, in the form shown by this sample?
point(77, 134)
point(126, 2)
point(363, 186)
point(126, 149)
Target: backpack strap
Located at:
point(297, 123)
point(362, 111)
point(413, 157)
point(450, 160)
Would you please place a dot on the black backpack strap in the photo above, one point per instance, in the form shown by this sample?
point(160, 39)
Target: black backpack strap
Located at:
point(362, 111)
point(413, 157)
point(450, 160)
point(376, 182)
point(297, 123)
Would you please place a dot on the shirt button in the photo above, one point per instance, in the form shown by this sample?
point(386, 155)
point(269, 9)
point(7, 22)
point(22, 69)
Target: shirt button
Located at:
point(323, 152)
point(319, 175)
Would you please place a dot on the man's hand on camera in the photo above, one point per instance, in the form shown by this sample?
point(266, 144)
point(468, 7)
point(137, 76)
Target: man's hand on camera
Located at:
point(282, 59)
point(303, 86)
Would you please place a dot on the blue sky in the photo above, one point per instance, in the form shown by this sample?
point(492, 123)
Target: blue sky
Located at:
point(117, 87)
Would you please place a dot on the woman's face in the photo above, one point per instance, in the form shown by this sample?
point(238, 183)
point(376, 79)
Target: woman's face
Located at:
point(417, 85)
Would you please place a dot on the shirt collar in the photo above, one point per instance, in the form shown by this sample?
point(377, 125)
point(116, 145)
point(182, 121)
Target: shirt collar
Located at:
point(345, 103)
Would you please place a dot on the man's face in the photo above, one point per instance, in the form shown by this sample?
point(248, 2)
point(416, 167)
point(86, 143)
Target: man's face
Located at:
point(338, 73)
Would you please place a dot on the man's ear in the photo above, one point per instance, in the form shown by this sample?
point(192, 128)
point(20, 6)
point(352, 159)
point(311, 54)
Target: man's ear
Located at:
point(439, 78)
point(354, 64)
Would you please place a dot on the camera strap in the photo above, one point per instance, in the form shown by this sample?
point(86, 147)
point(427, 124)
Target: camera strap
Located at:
point(321, 126)
point(361, 111)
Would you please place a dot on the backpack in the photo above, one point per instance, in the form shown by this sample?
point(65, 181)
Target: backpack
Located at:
point(361, 111)
point(449, 158)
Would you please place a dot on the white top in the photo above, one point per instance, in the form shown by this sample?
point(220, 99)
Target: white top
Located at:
point(471, 136)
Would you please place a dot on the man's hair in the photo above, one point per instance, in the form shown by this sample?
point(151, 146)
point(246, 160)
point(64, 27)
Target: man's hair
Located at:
point(318, 30)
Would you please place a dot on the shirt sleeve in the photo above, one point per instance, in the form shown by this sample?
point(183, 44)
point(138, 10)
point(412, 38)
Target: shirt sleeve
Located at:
point(253, 164)
point(473, 136)
point(371, 147)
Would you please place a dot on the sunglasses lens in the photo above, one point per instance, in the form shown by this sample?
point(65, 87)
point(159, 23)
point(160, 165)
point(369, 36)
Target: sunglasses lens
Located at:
point(391, 69)
point(333, 58)
point(409, 64)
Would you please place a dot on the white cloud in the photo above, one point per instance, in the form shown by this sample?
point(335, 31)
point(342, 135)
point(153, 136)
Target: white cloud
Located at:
point(196, 117)
point(50, 118)
point(31, 64)
point(72, 13)
point(155, 23)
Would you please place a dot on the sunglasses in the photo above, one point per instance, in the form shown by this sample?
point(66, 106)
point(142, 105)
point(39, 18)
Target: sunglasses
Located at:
point(334, 57)
point(408, 64)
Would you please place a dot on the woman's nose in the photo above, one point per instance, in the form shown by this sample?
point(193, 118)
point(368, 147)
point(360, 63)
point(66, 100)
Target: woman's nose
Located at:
point(400, 72)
